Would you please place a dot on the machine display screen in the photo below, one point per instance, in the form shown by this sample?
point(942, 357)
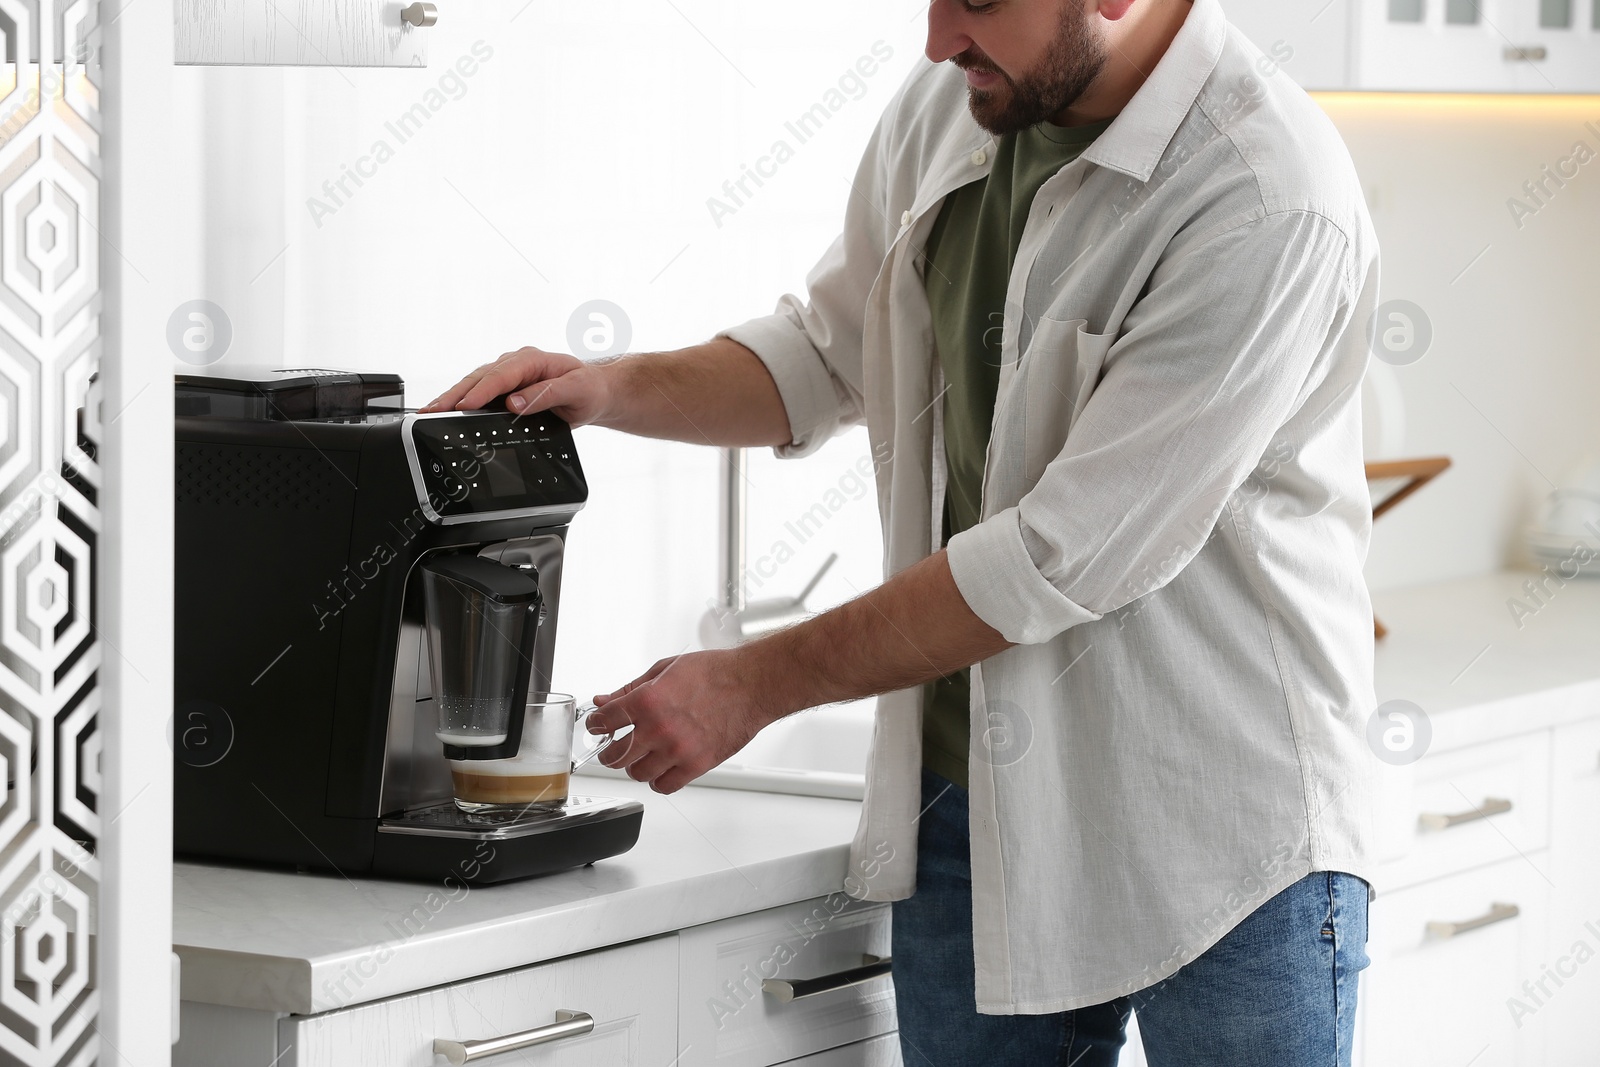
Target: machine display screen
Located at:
point(481, 462)
point(504, 473)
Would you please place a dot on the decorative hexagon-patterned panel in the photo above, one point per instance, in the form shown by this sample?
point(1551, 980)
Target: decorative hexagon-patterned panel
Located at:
point(50, 422)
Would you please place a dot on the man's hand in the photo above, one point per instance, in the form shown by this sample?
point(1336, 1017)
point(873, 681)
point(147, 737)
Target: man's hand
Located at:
point(718, 393)
point(689, 713)
point(579, 392)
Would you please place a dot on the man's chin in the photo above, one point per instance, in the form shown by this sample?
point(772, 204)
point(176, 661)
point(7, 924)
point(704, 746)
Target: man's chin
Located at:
point(989, 111)
point(993, 117)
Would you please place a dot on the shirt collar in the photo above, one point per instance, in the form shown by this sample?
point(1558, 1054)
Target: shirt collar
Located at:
point(1138, 138)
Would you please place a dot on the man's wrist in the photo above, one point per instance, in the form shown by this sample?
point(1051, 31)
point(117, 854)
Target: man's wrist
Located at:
point(776, 684)
point(613, 374)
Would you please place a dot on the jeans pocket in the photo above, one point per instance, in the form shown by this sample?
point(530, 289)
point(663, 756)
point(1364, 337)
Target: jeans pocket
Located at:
point(1347, 918)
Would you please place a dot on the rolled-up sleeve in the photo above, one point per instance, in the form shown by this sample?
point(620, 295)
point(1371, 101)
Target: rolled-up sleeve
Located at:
point(1208, 365)
point(815, 397)
point(813, 348)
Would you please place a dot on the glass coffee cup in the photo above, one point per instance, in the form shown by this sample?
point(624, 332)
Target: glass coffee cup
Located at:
point(554, 744)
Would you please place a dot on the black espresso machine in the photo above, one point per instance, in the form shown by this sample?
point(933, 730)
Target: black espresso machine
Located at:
point(305, 730)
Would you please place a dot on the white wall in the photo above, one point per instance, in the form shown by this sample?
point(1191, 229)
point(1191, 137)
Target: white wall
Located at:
point(576, 162)
point(1510, 389)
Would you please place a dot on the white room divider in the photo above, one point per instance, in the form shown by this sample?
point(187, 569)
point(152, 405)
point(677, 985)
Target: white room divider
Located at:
point(150, 266)
point(51, 534)
point(86, 232)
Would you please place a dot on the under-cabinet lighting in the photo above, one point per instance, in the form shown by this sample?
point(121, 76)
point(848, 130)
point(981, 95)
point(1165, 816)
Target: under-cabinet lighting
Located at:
point(1577, 105)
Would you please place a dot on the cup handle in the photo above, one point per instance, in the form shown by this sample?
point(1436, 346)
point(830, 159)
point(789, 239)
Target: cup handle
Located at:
point(595, 743)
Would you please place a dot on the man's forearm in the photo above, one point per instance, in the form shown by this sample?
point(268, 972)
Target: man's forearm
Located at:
point(911, 629)
point(718, 393)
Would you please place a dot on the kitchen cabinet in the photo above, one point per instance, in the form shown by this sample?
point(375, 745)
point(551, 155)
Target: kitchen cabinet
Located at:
point(1494, 46)
point(1568, 33)
point(1570, 1000)
point(366, 972)
point(875, 1052)
point(1533, 46)
point(315, 33)
point(1471, 807)
point(624, 1000)
point(1475, 933)
point(1463, 916)
point(733, 1017)
point(804, 983)
point(1437, 44)
point(1446, 956)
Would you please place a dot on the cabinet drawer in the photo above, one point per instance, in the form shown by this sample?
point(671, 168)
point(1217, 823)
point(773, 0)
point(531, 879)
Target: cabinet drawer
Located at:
point(627, 990)
point(342, 33)
point(1569, 1020)
point(1438, 824)
point(1435, 995)
point(881, 1051)
point(727, 1020)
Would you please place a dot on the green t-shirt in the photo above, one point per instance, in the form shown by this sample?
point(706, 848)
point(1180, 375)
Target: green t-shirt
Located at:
point(969, 256)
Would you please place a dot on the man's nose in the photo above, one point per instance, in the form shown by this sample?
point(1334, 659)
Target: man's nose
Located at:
point(946, 33)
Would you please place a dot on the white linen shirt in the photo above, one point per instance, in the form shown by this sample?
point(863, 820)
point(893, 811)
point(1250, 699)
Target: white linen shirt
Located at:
point(1175, 514)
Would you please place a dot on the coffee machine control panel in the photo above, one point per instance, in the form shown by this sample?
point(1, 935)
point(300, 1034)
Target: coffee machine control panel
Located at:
point(471, 466)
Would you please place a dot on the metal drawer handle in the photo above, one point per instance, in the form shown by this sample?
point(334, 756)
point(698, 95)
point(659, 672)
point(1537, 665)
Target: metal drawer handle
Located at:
point(567, 1024)
point(1497, 913)
point(1536, 53)
point(1491, 806)
point(787, 989)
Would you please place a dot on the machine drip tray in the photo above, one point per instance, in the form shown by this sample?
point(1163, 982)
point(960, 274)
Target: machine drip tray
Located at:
point(447, 820)
point(443, 842)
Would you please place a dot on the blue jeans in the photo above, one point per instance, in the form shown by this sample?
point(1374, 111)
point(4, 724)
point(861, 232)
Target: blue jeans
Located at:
point(1279, 990)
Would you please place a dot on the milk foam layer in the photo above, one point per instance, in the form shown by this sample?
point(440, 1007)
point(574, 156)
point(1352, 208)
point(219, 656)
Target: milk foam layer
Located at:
point(531, 763)
point(470, 740)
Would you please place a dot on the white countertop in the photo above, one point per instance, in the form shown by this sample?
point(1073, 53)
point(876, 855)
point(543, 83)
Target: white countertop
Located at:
point(307, 943)
point(304, 943)
point(1455, 649)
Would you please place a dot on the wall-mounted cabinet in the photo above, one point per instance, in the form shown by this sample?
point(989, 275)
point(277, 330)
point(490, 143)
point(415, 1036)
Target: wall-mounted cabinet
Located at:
point(1494, 46)
point(307, 33)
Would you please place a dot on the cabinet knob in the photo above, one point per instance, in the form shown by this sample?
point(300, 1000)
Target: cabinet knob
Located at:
point(1536, 53)
point(420, 14)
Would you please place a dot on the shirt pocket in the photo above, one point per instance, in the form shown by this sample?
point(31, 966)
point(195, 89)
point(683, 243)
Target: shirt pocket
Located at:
point(1056, 375)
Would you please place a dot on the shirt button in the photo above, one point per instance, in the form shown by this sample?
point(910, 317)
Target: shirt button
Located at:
point(905, 218)
point(978, 157)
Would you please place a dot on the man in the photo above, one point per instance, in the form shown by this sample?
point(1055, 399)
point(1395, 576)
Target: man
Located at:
point(1101, 300)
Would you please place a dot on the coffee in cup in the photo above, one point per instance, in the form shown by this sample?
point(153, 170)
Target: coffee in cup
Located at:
point(490, 782)
point(537, 778)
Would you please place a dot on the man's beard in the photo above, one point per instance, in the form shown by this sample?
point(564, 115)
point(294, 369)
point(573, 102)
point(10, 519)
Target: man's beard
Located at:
point(1071, 65)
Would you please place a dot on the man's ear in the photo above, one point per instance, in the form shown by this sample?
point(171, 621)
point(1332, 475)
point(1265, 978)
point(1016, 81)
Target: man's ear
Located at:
point(1115, 10)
